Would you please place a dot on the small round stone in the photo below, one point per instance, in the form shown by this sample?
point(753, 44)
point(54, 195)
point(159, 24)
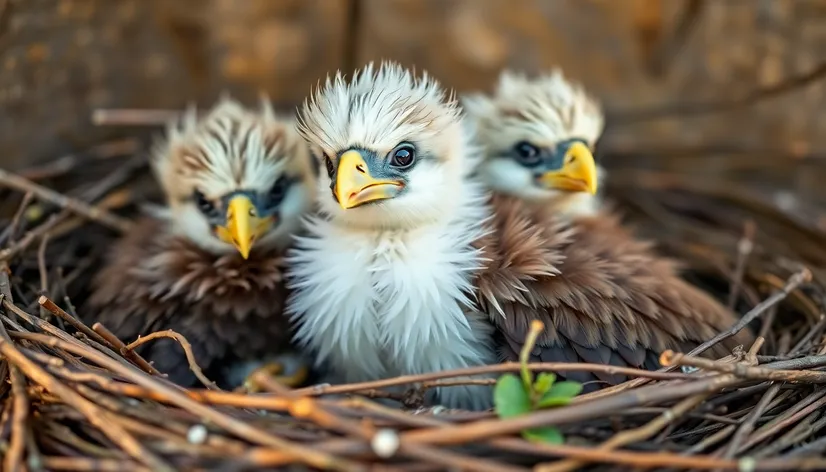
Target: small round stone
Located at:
point(385, 443)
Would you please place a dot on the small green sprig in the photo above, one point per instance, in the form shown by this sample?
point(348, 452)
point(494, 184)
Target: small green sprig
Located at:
point(514, 397)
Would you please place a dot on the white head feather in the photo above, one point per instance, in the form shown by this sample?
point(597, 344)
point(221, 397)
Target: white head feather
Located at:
point(228, 149)
point(385, 289)
point(542, 111)
point(378, 110)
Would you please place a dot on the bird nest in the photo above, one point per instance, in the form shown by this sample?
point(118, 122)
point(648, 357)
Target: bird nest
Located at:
point(74, 397)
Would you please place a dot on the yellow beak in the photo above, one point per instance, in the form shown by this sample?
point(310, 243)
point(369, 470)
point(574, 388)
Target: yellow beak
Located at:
point(243, 225)
point(578, 172)
point(355, 185)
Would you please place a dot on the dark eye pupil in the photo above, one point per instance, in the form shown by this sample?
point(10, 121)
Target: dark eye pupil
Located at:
point(204, 205)
point(277, 192)
point(527, 153)
point(403, 157)
point(329, 163)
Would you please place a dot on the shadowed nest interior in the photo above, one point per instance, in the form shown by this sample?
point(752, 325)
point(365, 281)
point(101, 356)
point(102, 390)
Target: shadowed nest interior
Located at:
point(73, 397)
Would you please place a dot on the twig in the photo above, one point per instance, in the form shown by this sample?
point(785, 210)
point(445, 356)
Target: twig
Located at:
point(52, 307)
point(489, 369)
point(93, 414)
point(575, 412)
point(804, 275)
point(9, 231)
point(132, 117)
point(176, 397)
point(744, 248)
point(755, 373)
point(133, 356)
point(187, 347)
point(14, 456)
point(93, 213)
point(84, 464)
point(654, 426)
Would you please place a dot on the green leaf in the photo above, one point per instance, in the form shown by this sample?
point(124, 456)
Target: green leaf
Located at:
point(543, 383)
point(560, 394)
point(547, 434)
point(510, 397)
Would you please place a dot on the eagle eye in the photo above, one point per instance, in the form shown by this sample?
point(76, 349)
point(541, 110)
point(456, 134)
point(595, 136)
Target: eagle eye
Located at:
point(403, 156)
point(527, 154)
point(279, 190)
point(204, 205)
point(329, 164)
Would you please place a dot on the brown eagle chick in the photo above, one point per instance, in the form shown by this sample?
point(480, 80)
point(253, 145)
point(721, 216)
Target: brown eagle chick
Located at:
point(559, 255)
point(208, 265)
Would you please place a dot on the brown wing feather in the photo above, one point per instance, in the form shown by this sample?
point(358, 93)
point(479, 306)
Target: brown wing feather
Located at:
point(604, 296)
point(228, 308)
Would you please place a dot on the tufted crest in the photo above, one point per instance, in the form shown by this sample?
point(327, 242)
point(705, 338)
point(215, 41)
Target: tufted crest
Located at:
point(229, 147)
point(544, 109)
point(377, 109)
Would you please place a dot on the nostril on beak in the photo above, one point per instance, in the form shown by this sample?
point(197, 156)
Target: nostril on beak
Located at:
point(360, 168)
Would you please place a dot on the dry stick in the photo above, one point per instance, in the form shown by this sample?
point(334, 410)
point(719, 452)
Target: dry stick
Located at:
point(312, 409)
point(744, 248)
point(93, 213)
point(8, 233)
point(190, 356)
point(803, 408)
point(581, 411)
point(748, 424)
point(83, 464)
point(670, 358)
point(326, 389)
point(19, 426)
point(44, 273)
point(54, 309)
point(132, 116)
point(207, 397)
point(176, 397)
point(24, 242)
point(804, 275)
point(644, 432)
point(121, 348)
point(94, 414)
point(598, 407)
point(800, 432)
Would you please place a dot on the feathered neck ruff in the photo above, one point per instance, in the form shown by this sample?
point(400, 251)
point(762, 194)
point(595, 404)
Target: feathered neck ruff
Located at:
point(155, 265)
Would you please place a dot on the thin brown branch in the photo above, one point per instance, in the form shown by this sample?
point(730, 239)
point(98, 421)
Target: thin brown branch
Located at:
point(95, 415)
point(54, 309)
point(90, 212)
point(298, 453)
point(133, 356)
point(744, 248)
point(132, 117)
point(755, 373)
point(187, 347)
point(488, 369)
point(14, 456)
point(803, 276)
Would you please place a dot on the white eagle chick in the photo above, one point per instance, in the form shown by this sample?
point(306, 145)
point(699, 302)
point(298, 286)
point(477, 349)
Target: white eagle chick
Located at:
point(382, 284)
point(538, 135)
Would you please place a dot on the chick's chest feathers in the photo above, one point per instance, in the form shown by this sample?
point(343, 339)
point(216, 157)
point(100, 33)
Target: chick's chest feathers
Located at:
point(226, 307)
point(376, 304)
point(604, 296)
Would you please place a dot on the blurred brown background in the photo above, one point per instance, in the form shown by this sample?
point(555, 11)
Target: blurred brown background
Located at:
point(63, 58)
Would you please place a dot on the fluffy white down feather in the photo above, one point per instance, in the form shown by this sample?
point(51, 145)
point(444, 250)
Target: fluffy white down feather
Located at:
point(374, 300)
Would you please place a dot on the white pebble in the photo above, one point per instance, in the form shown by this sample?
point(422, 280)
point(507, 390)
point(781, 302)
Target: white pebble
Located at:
point(385, 443)
point(747, 464)
point(197, 434)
